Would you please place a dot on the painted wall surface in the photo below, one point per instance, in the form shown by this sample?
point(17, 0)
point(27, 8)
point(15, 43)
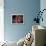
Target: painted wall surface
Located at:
point(43, 6)
point(13, 32)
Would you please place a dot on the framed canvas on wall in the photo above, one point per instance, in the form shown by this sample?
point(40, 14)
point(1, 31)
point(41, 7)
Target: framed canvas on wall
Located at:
point(17, 19)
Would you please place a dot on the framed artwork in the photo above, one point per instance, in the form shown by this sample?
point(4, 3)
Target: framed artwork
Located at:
point(17, 19)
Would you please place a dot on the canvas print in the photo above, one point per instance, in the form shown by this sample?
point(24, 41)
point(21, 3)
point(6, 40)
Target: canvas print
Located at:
point(17, 18)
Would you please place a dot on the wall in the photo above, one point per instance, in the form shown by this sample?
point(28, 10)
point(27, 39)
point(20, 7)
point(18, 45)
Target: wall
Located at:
point(43, 6)
point(1, 21)
point(13, 32)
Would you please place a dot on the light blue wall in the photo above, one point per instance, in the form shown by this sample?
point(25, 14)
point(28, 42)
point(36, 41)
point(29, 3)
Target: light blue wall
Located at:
point(13, 32)
point(43, 6)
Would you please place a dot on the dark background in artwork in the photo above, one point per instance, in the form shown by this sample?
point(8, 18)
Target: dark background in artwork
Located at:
point(17, 18)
